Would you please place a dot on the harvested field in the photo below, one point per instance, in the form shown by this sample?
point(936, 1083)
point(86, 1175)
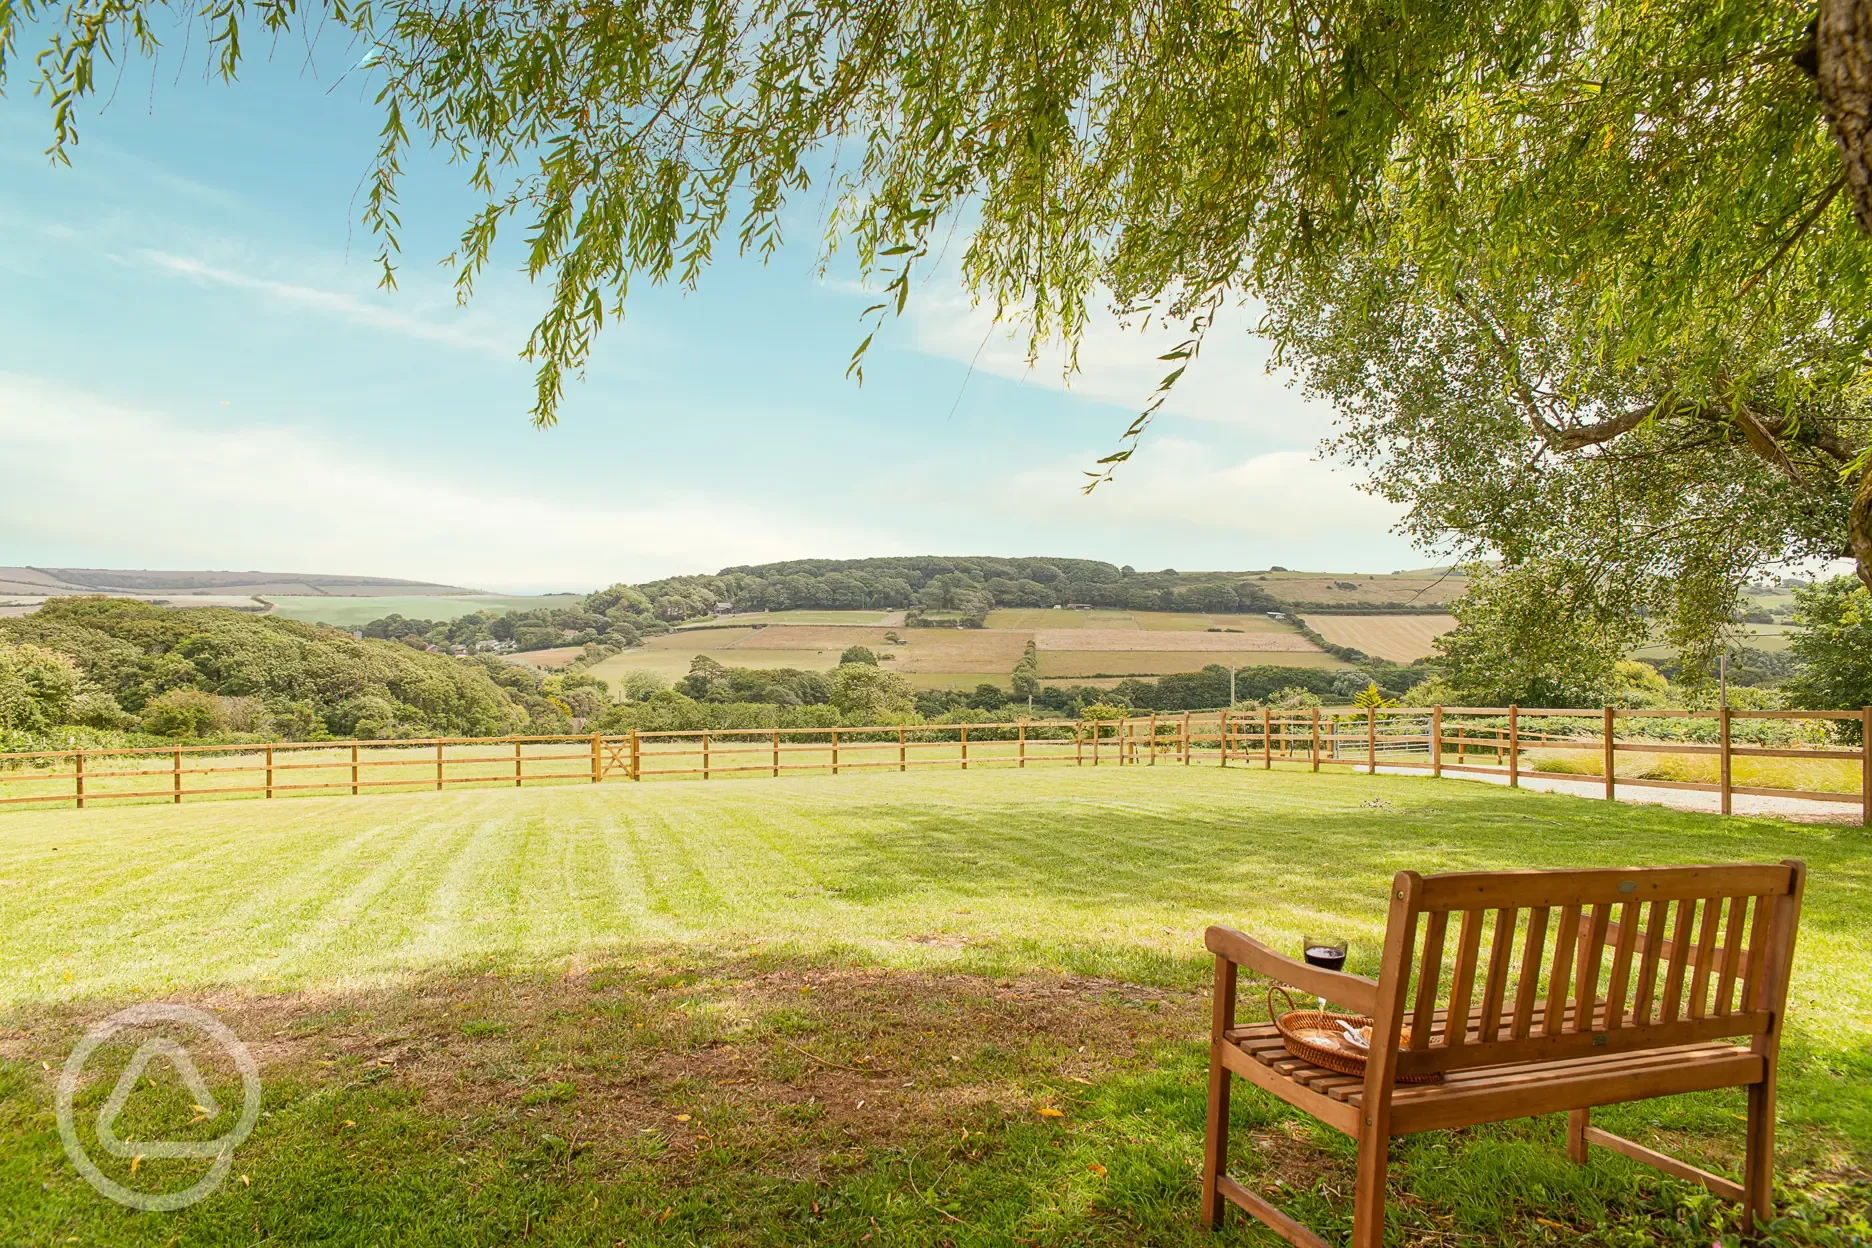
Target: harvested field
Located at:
point(1400, 638)
point(1184, 621)
point(674, 664)
point(1424, 587)
point(983, 650)
point(1284, 641)
point(1065, 664)
point(834, 637)
point(1028, 618)
point(558, 657)
point(854, 619)
point(690, 641)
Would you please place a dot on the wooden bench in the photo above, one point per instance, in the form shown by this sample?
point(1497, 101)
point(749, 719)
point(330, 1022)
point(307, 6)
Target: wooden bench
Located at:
point(1564, 990)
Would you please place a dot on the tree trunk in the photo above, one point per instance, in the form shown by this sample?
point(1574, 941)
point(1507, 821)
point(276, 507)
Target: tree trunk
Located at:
point(1859, 527)
point(1843, 43)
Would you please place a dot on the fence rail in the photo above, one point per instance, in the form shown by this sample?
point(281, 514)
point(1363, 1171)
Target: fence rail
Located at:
point(1461, 740)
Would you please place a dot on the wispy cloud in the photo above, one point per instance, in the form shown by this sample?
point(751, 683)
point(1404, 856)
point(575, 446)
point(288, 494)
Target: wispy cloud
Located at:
point(1118, 364)
point(366, 313)
point(1279, 506)
point(86, 480)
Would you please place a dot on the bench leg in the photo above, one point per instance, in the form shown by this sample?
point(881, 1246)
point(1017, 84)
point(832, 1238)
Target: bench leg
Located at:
point(1576, 1123)
point(1758, 1159)
point(1368, 1207)
point(1215, 1142)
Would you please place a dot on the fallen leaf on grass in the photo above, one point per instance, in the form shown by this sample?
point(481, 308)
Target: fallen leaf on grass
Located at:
point(1049, 1112)
point(682, 1117)
point(135, 1162)
point(1097, 1169)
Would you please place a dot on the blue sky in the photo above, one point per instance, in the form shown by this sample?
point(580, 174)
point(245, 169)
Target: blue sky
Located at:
point(196, 370)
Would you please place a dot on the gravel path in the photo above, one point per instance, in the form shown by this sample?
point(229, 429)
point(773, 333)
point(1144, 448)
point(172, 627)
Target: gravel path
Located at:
point(1800, 809)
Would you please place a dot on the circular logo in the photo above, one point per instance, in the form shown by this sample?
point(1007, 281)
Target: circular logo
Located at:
point(220, 1149)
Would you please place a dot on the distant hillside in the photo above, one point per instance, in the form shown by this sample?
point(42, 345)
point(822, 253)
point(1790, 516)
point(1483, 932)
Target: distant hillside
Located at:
point(972, 585)
point(57, 582)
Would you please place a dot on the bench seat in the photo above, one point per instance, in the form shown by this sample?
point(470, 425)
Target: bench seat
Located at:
point(1496, 1093)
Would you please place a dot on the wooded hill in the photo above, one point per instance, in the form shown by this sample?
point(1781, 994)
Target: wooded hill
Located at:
point(974, 585)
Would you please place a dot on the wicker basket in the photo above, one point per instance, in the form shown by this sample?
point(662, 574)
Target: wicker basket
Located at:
point(1315, 1036)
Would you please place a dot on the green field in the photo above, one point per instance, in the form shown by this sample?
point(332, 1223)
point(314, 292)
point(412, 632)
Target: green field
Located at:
point(353, 612)
point(872, 1009)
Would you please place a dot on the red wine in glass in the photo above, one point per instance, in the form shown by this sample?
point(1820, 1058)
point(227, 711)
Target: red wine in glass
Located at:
point(1326, 952)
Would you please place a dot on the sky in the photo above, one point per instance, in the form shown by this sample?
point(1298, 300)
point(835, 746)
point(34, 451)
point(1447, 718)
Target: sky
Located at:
point(197, 370)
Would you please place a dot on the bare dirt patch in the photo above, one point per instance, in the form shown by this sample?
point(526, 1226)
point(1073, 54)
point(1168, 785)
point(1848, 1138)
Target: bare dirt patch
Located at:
point(804, 1066)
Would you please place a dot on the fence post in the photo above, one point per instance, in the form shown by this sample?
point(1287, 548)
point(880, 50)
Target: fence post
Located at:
point(1267, 739)
point(1186, 739)
point(1153, 736)
point(776, 749)
point(79, 791)
point(178, 777)
point(1609, 780)
point(1725, 774)
point(354, 768)
point(1316, 738)
point(705, 755)
point(1079, 743)
point(1023, 743)
point(1222, 735)
point(1097, 732)
point(901, 763)
point(964, 747)
point(517, 771)
point(1371, 740)
point(597, 763)
point(636, 757)
point(438, 766)
point(1514, 747)
point(835, 751)
point(1865, 766)
point(1436, 741)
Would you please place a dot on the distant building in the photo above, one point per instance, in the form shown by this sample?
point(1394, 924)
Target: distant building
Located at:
point(1276, 615)
point(724, 608)
point(1078, 606)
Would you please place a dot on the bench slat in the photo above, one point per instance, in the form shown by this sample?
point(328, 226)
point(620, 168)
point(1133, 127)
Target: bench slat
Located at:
point(1533, 950)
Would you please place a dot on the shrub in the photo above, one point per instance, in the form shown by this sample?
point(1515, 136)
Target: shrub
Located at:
point(37, 687)
point(184, 713)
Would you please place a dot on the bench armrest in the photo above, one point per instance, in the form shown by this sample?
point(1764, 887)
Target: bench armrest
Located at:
point(1353, 991)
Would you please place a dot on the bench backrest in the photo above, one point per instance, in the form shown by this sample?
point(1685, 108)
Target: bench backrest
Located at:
point(1520, 966)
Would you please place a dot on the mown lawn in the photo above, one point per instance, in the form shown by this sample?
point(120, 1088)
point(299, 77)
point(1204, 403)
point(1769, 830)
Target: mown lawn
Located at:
point(923, 1009)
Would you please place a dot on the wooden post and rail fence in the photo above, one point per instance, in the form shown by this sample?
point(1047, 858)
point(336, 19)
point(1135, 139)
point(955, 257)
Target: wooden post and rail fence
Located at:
point(1462, 740)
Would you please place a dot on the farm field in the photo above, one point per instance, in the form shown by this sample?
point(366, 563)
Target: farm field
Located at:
point(673, 665)
point(858, 619)
point(559, 656)
point(1424, 587)
point(811, 1010)
point(1071, 644)
point(1033, 617)
point(1400, 638)
point(1772, 638)
point(1069, 663)
point(355, 612)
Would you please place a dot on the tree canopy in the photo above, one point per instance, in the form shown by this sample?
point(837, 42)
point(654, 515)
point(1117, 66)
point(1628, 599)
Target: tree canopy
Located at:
point(1585, 281)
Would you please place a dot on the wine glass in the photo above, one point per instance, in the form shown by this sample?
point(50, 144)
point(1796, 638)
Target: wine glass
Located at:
point(1325, 952)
